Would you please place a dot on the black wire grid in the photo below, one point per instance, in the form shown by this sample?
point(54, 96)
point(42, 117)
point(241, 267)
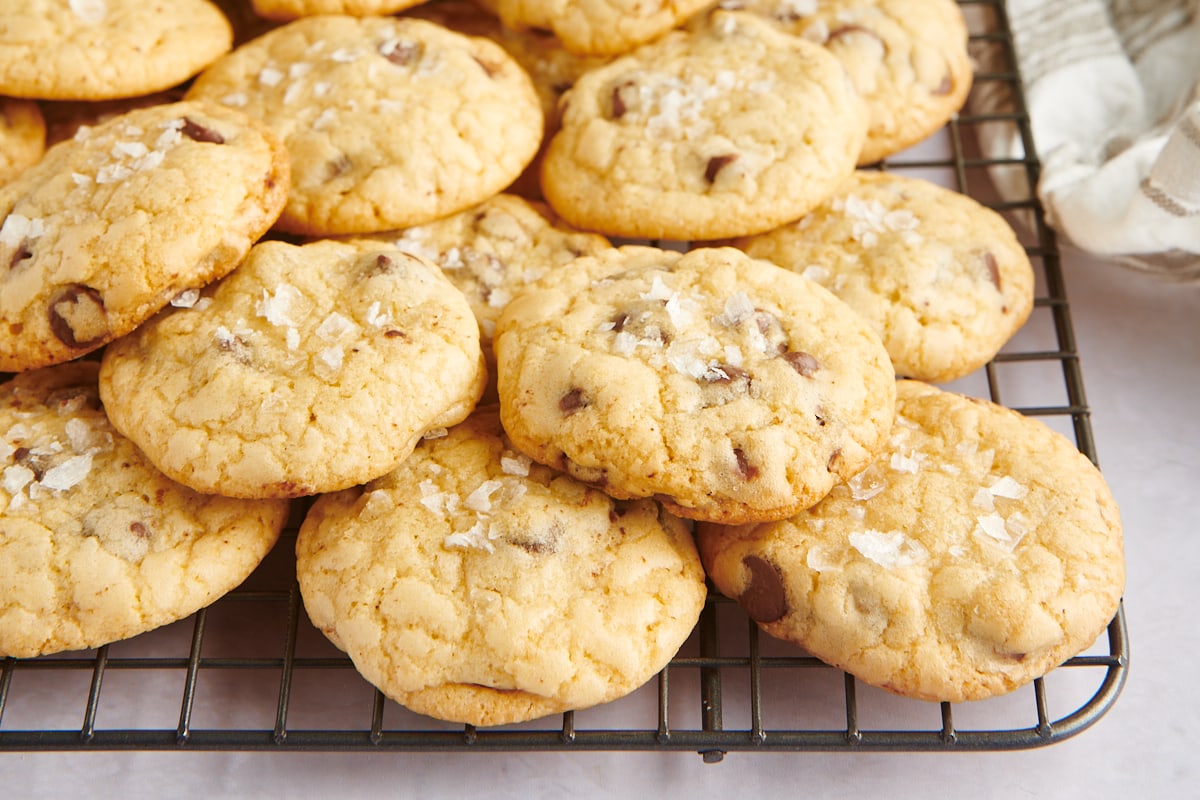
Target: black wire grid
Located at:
point(251, 673)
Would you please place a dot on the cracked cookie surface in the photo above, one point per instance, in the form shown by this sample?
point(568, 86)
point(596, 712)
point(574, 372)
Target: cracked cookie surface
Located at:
point(475, 586)
point(907, 58)
point(495, 249)
point(725, 386)
point(309, 369)
point(390, 122)
point(109, 226)
point(729, 130)
point(105, 49)
point(978, 552)
point(96, 545)
point(941, 278)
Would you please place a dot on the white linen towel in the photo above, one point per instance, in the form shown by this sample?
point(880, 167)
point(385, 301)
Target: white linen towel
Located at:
point(1113, 94)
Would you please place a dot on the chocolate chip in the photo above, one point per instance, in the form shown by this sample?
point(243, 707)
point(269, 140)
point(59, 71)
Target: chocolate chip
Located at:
point(197, 132)
point(572, 401)
point(139, 529)
point(765, 596)
point(338, 166)
point(394, 334)
point(38, 463)
point(718, 163)
point(725, 374)
point(802, 362)
point(22, 253)
point(619, 107)
point(993, 269)
point(772, 330)
point(745, 468)
point(400, 53)
point(835, 460)
point(944, 88)
point(77, 316)
point(619, 322)
point(381, 264)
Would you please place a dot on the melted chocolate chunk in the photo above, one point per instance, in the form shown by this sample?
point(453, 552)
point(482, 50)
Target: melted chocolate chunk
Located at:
point(338, 166)
point(745, 468)
point(139, 530)
point(772, 330)
point(198, 133)
point(718, 163)
point(727, 374)
point(36, 462)
point(77, 316)
point(619, 106)
point(802, 362)
point(572, 401)
point(765, 596)
point(22, 253)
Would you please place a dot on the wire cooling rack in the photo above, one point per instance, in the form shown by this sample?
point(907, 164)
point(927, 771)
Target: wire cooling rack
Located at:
point(251, 673)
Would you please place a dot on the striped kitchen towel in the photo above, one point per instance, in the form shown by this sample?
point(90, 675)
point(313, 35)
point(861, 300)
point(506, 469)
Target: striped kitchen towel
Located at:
point(1112, 88)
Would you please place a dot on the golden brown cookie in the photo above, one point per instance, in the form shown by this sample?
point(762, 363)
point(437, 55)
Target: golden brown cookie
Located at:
point(727, 387)
point(475, 586)
point(978, 552)
point(96, 545)
point(729, 130)
point(942, 279)
point(389, 122)
point(110, 226)
point(308, 370)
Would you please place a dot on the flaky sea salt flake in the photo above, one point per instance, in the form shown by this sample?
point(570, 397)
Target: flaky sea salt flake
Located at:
point(515, 463)
point(480, 500)
point(68, 473)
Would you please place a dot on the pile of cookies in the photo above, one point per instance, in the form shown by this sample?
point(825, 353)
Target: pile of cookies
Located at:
point(552, 313)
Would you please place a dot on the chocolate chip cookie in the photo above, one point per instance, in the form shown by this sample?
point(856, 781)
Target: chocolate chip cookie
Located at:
point(110, 226)
point(728, 130)
point(389, 122)
point(309, 369)
point(978, 552)
point(725, 386)
point(475, 586)
point(940, 277)
point(96, 545)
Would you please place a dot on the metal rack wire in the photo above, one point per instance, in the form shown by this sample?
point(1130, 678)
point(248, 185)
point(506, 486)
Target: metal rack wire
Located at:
point(250, 672)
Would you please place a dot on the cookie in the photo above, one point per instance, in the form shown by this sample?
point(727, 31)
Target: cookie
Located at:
point(492, 251)
point(474, 586)
point(95, 544)
point(105, 49)
point(309, 369)
point(390, 122)
point(977, 553)
point(730, 130)
point(728, 388)
point(293, 9)
point(108, 227)
point(595, 27)
point(907, 58)
point(941, 278)
point(22, 136)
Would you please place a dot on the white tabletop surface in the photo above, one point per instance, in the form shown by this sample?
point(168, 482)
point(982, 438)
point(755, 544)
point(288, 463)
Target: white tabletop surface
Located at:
point(1139, 340)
